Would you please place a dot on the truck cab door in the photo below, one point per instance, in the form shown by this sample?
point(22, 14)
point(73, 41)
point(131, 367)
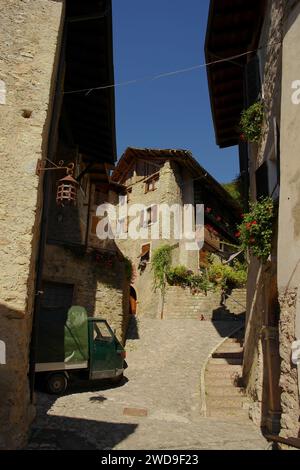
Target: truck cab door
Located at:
point(103, 350)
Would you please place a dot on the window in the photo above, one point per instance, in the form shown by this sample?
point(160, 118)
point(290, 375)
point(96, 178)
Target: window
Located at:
point(149, 216)
point(151, 184)
point(101, 332)
point(122, 226)
point(145, 252)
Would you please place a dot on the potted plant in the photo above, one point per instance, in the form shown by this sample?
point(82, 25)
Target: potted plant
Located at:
point(251, 122)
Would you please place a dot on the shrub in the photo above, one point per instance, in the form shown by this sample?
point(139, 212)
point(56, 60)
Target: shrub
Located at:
point(179, 275)
point(224, 275)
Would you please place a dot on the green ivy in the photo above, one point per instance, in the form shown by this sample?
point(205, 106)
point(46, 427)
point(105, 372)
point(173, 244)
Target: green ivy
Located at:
point(251, 122)
point(161, 262)
point(256, 230)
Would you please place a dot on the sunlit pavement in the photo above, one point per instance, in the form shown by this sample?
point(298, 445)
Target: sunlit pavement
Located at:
point(157, 406)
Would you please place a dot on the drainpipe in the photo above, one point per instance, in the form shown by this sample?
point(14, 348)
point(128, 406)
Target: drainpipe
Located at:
point(270, 336)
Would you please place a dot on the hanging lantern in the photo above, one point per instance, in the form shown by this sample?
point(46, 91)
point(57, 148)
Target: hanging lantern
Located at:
point(67, 189)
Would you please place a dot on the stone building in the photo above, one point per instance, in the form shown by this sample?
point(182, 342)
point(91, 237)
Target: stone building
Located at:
point(270, 168)
point(157, 178)
point(49, 52)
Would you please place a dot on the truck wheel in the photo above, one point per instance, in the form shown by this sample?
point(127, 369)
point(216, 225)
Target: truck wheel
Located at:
point(117, 380)
point(56, 383)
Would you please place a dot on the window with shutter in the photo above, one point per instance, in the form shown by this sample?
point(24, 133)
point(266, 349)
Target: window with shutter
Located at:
point(145, 252)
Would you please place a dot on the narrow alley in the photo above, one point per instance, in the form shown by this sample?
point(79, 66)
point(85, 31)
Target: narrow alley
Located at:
point(159, 404)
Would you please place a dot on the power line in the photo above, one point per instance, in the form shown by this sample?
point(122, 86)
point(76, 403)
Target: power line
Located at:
point(87, 91)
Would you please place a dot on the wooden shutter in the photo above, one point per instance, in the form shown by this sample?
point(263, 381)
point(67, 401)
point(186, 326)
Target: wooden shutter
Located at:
point(154, 214)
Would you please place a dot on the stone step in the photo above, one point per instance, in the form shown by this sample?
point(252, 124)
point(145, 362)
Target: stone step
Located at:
point(227, 361)
point(229, 355)
point(225, 369)
point(219, 381)
point(228, 347)
point(227, 377)
point(224, 390)
point(235, 402)
point(228, 413)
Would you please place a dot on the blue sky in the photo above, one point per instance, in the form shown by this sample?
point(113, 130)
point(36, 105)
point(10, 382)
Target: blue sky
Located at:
point(156, 36)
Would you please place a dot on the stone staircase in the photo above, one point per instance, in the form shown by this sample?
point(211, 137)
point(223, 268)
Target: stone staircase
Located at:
point(225, 397)
point(180, 303)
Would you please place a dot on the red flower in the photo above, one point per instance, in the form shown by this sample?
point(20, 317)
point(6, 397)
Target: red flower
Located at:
point(238, 234)
point(252, 240)
point(218, 218)
point(254, 222)
point(248, 226)
point(208, 210)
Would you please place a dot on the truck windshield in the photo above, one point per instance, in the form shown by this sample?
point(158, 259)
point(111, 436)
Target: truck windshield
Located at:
point(101, 332)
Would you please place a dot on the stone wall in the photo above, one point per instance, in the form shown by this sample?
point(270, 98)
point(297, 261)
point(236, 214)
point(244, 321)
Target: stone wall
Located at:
point(267, 357)
point(102, 290)
point(181, 303)
point(289, 220)
point(290, 425)
point(29, 50)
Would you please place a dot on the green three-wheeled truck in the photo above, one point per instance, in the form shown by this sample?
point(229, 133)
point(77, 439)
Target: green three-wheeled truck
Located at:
point(76, 345)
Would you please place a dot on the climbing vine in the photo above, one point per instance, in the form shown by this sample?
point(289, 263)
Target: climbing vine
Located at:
point(161, 262)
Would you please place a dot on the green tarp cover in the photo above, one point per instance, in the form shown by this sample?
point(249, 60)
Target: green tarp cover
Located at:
point(63, 336)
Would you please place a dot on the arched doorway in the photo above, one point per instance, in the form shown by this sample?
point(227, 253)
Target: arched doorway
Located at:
point(132, 301)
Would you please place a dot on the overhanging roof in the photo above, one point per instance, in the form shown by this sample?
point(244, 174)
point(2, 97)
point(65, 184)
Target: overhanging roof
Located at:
point(233, 29)
point(183, 158)
point(89, 64)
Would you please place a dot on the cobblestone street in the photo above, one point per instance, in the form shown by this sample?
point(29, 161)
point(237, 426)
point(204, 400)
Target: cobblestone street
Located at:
point(157, 406)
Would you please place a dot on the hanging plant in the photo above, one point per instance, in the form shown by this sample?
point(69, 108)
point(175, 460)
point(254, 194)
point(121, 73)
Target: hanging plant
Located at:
point(256, 230)
point(251, 122)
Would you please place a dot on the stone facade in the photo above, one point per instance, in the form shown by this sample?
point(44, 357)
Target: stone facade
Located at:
point(174, 185)
point(29, 48)
point(271, 379)
point(168, 192)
